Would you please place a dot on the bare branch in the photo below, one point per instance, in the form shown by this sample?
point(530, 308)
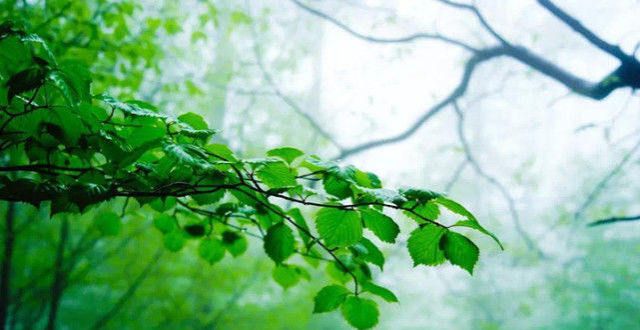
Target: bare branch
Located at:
point(579, 28)
point(593, 195)
point(485, 24)
point(493, 181)
point(404, 39)
point(611, 220)
point(461, 88)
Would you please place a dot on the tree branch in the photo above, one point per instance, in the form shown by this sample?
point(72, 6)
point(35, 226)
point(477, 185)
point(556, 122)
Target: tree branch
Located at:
point(478, 57)
point(611, 220)
point(404, 39)
point(493, 181)
point(579, 28)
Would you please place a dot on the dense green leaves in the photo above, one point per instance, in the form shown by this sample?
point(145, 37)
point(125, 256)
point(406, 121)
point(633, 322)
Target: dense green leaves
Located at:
point(76, 153)
point(424, 245)
point(279, 242)
point(460, 250)
point(338, 227)
point(361, 313)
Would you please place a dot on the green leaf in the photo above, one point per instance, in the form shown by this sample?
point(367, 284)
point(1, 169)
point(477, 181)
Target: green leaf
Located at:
point(195, 230)
point(276, 175)
point(279, 242)
point(194, 120)
point(165, 223)
point(129, 108)
point(475, 225)
point(211, 250)
point(456, 208)
point(175, 240)
point(460, 250)
point(288, 154)
point(287, 275)
point(373, 254)
point(186, 154)
point(424, 245)
point(361, 313)
point(329, 298)
point(60, 80)
point(337, 181)
point(24, 81)
point(380, 291)
point(381, 225)
point(337, 227)
point(108, 223)
point(236, 244)
point(221, 151)
point(421, 212)
point(302, 227)
point(419, 195)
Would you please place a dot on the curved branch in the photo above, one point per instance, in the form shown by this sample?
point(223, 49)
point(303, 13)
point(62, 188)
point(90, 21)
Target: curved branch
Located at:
point(582, 30)
point(479, 57)
point(408, 38)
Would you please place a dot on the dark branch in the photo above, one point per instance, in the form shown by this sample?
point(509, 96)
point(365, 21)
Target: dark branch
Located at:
point(611, 220)
point(579, 28)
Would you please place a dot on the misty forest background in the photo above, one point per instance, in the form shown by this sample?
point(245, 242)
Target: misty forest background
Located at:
point(523, 111)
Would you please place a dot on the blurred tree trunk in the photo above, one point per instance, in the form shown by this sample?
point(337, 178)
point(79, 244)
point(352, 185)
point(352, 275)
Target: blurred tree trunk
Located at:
point(5, 277)
point(58, 285)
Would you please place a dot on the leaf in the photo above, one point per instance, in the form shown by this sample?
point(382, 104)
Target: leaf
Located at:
point(221, 151)
point(25, 80)
point(286, 275)
point(276, 175)
point(419, 195)
point(381, 225)
point(279, 242)
point(302, 227)
point(373, 254)
point(460, 250)
point(424, 245)
point(421, 212)
point(211, 250)
point(194, 120)
point(288, 154)
point(456, 208)
point(337, 227)
point(475, 225)
point(337, 181)
point(379, 291)
point(165, 223)
point(186, 154)
point(361, 313)
point(60, 80)
point(175, 240)
point(129, 108)
point(108, 223)
point(195, 230)
point(236, 244)
point(329, 298)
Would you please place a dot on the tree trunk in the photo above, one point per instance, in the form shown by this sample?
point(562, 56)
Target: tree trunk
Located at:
point(5, 277)
point(57, 287)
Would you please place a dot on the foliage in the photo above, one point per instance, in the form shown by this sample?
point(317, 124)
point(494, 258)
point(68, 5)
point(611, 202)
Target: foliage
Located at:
point(67, 150)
